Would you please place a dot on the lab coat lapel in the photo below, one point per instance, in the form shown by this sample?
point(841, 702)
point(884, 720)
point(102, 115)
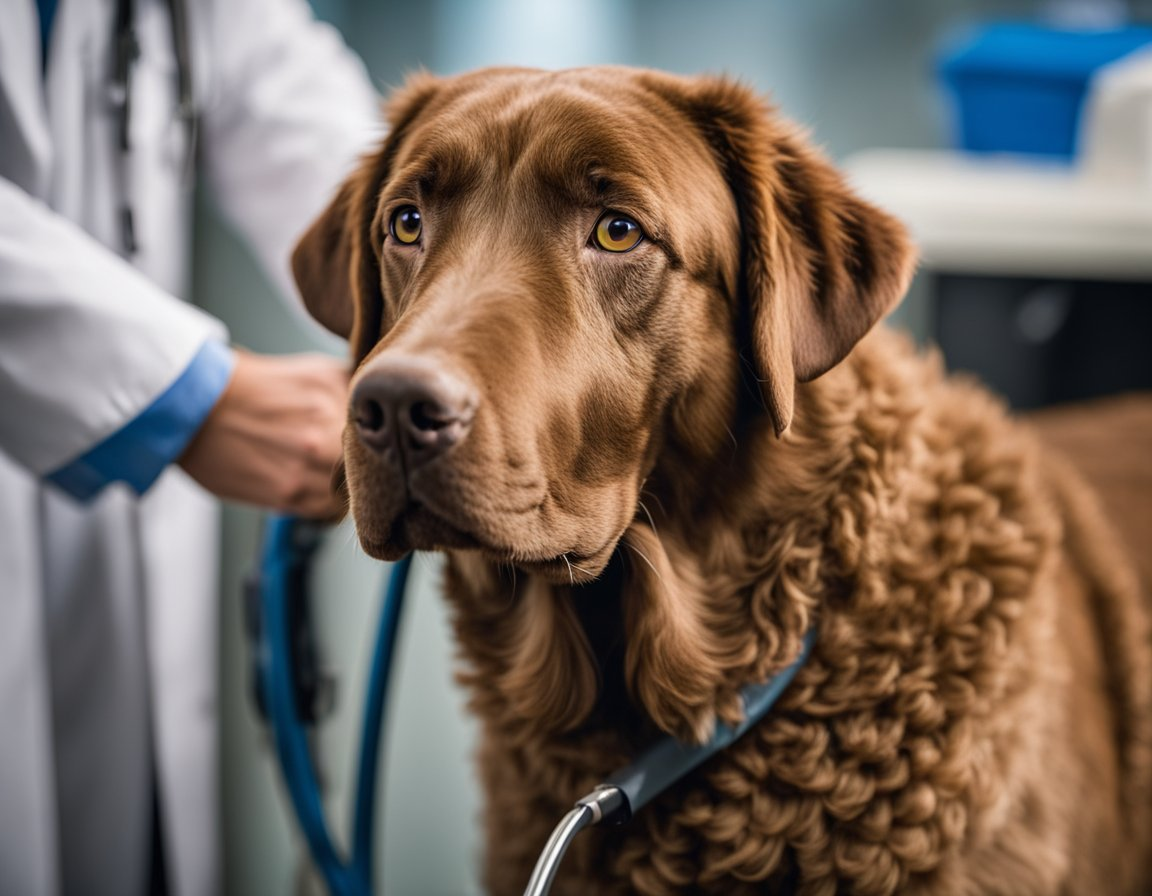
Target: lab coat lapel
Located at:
point(24, 136)
point(28, 846)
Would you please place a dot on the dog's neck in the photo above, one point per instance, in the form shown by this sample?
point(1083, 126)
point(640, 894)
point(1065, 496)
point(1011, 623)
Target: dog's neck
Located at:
point(729, 558)
point(725, 563)
point(713, 586)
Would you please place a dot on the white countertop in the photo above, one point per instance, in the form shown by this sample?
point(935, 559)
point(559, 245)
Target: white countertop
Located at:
point(1001, 215)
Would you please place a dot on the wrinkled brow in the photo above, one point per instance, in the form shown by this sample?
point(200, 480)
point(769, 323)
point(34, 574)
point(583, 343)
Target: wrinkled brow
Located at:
point(597, 185)
point(568, 173)
point(446, 168)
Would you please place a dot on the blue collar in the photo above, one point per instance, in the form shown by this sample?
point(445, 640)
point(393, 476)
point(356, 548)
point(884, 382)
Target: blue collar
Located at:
point(665, 763)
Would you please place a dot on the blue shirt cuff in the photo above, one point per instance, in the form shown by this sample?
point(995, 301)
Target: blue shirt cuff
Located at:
point(138, 452)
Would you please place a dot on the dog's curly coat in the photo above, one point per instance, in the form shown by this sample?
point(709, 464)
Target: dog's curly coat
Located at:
point(976, 716)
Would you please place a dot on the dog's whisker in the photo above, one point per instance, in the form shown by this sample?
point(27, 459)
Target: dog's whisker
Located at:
point(651, 566)
point(655, 497)
point(509, 566)
point(350, 537)
point(426, 561)
point(732, 436)
point(648, 513)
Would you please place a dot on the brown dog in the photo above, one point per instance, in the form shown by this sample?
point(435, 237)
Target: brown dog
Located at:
point(607, 326)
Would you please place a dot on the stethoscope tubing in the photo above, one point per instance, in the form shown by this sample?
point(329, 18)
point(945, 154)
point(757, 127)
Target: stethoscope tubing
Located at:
point(287, 544)
point(354, 876)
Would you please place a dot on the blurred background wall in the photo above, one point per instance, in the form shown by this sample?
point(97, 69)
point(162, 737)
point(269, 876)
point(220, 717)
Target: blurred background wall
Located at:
point(857, 73)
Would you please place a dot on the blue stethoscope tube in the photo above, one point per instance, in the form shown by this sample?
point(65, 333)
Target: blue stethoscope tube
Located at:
point(284, 555)
point(279, 553)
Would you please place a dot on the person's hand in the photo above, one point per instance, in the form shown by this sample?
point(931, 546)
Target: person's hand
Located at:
point(273, 438)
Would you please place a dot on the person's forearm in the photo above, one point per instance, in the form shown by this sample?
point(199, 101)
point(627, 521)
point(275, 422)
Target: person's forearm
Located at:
point(87, 343)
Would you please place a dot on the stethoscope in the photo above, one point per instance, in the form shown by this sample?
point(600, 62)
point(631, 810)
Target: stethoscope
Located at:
point(287, 690)
point(126, 50)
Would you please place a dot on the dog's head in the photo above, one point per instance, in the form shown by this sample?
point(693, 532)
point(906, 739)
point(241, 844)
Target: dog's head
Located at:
point(549, 279)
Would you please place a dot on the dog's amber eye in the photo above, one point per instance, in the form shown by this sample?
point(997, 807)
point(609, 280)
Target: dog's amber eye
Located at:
point(617, 233)
point(406, 224)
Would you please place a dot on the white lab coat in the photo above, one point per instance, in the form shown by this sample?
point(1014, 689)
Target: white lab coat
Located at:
point(108, 612)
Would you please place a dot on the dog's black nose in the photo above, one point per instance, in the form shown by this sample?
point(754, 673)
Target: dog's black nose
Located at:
point(412, 404)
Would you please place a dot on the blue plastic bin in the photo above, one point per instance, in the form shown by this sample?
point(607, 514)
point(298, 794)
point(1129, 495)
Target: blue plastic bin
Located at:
point(1020, 88)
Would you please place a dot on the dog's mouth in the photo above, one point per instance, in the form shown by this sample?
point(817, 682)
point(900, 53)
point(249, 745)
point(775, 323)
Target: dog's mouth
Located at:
point(418, 528)
point(569, 567)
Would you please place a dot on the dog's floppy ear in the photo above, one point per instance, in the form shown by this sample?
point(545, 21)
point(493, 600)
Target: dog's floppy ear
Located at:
point(336, 262)
point(819, 266)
